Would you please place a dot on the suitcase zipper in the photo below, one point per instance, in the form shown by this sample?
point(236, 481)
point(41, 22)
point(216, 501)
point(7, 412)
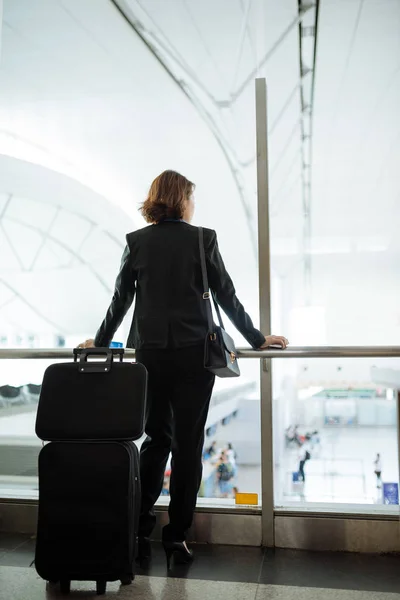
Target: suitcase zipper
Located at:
point(134, 506)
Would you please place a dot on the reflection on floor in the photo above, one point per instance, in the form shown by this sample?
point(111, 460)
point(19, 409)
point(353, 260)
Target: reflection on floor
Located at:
point(223, 572)
point(23, 584)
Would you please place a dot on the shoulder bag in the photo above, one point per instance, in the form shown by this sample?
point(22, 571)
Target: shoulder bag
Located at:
point(220, 355)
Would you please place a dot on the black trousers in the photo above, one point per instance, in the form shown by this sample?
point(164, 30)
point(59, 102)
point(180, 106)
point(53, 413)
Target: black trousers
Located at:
point(179, 395)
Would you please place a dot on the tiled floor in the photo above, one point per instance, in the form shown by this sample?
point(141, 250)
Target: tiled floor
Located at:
point(17, 583)
point(221, 573)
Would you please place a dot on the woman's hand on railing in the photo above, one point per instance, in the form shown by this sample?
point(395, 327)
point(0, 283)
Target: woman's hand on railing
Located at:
point(274, 340)
point(88, 344)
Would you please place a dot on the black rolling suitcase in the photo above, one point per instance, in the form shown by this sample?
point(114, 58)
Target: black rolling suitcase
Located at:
point(89, 488)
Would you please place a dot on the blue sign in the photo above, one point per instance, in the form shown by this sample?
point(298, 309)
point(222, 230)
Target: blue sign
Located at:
point(390, 493)
point(116, 345)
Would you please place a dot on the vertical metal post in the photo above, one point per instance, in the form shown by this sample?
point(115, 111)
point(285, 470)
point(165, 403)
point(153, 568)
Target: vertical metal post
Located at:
point(398, 442)
point(1, 28)
point(267, 464)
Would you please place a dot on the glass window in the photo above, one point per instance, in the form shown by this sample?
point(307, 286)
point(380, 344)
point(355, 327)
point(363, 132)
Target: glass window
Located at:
point(335, 435)
point(85, 131)
point(20, 382)
point(232, 445)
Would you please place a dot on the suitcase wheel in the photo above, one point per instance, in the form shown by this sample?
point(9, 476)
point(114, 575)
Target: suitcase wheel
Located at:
point(127, 580)
point(101, 587)
point(65, 586)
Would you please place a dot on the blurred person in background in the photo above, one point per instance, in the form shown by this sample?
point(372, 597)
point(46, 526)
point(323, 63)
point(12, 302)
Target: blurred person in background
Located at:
point(232, 457)
point(299, 439)
point(210, 452)
point(225, 475)
point(304, 456)
point(289, 435)
point(378, 470)
point(165, 488)
point(231, 453)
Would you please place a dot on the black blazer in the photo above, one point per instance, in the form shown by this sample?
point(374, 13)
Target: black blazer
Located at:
point(161, 266)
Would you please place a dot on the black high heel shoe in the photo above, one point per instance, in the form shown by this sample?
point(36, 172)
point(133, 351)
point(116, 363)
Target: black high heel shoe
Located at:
point(182, 555)
point(144, 552)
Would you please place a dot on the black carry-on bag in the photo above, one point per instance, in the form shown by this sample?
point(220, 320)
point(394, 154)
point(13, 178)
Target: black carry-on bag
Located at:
point(89, 485)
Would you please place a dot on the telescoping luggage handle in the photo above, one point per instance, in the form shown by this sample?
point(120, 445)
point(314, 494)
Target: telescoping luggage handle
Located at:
point(85, 366)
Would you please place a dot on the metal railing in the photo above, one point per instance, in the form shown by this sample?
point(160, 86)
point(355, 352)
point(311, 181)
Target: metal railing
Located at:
point(290, 352)
point(265, 357)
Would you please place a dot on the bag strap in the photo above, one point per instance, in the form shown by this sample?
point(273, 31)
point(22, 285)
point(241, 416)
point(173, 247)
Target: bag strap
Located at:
point(207, 295)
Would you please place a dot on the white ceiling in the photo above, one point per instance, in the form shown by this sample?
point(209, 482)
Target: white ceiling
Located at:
point(82, 95)
point(60, 247)
point(356, 183)
point(356, 142)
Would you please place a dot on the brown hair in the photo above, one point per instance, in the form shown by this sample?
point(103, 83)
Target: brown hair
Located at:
point(167, 197)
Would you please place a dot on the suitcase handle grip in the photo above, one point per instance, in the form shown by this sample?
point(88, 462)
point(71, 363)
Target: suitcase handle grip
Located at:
point(96, 367)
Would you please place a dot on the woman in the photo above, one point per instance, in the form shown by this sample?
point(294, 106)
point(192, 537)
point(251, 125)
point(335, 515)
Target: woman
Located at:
point(161, 266)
